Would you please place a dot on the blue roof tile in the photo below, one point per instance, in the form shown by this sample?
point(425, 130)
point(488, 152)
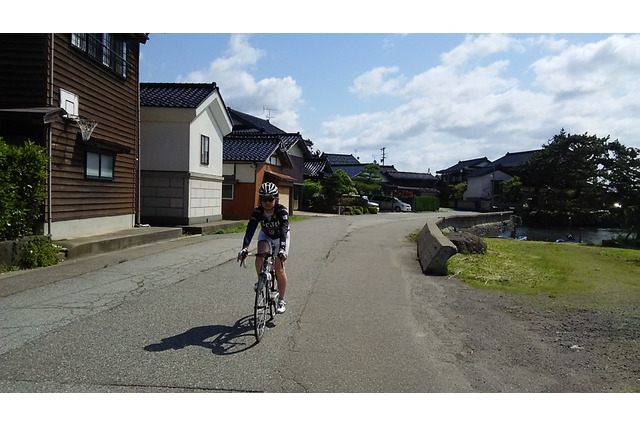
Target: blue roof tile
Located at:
point(175, 95)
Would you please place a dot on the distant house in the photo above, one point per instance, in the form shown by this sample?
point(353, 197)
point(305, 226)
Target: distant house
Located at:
point(458, 172)
point(409, 184)
point(482, 183)
point(182, 128)
point(320, 166)
point(77, 95)
point(255, 152)
point(393, 181)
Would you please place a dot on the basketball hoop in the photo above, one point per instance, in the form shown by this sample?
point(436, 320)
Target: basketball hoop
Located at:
point(86, 126)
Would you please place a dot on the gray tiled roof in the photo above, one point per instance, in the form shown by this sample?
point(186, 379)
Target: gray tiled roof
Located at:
point(249, 147)
point(411, 176)
point(350, 169)
point(314, 166)
point(511, 159)
point(464, 164)
point(243, 122)
point(175, 95)
point(341, 159)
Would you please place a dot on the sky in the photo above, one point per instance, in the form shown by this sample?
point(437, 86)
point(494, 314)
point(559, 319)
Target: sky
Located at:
point(430, 100)
point(432, 86)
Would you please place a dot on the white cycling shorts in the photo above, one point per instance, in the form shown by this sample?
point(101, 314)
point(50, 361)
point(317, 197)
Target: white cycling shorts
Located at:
point(263, 237)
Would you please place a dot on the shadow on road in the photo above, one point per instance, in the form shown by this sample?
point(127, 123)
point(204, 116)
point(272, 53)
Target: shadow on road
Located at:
point(221, 339)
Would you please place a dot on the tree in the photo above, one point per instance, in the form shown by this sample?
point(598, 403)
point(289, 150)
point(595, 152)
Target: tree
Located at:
point(621, 177)
point(511, 190)
point(567, 172)
point(312, 195)
point(581, 174)
point(458, 190)
point(339, 183)
point(368, 180)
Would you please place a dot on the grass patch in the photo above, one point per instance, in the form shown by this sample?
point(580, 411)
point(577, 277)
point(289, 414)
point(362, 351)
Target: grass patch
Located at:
point(595, 275)
point(242, 228)
point(234, 230)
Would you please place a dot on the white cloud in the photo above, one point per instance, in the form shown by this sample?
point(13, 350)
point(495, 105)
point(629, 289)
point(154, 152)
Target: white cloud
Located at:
point(241, 91)
point(478, 47)
point(376, 82)
point(472, 106)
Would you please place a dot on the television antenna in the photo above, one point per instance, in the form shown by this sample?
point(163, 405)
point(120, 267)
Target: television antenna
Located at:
point(268, 111)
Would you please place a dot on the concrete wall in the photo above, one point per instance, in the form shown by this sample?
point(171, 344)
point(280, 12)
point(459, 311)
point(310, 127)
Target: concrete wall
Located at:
point(434, 249)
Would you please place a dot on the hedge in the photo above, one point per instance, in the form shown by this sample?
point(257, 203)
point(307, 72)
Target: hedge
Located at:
point(23, 188)
point(426, 204)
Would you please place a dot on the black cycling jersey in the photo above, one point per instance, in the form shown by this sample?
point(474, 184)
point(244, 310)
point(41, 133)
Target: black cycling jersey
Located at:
point(275, 227)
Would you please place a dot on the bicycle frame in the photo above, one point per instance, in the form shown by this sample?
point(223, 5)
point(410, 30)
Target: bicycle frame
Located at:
point(266, 293)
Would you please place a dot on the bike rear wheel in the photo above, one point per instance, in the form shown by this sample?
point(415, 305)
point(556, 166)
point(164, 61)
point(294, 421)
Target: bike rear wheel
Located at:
point(260, 308)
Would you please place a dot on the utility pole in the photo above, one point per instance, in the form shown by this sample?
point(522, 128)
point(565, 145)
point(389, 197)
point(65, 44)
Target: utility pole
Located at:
point(382, 157)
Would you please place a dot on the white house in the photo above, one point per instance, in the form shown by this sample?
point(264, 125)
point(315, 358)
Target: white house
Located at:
point(482, 182)
point(182, 126)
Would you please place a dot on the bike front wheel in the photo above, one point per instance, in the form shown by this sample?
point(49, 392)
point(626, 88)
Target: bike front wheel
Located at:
point(260, 308)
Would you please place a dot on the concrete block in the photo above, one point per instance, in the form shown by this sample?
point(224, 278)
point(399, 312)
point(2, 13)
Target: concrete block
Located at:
point(434, 249)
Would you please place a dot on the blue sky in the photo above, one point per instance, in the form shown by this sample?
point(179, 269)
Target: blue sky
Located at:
point(429, 99)
point(432, 84)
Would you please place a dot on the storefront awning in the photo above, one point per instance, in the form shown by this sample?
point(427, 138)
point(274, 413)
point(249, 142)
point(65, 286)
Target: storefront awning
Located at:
point(281, 176)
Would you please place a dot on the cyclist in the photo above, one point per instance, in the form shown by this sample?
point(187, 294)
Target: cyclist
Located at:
point(274, 229)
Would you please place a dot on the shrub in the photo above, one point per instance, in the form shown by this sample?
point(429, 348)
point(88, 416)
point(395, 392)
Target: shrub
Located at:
point(373, 210)
point(23, 179)
point(427, 204)
point(37, 252)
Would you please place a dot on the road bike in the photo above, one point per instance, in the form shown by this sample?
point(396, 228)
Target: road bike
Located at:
point(266, 293)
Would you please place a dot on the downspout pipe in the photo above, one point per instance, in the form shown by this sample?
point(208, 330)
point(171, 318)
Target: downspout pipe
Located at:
point(49, 141)
point(138, 177)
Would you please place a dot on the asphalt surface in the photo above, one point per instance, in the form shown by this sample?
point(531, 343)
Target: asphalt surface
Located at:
point(176, 317)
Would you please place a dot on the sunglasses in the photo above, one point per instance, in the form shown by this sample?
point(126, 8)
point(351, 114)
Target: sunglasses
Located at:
point(267, 199)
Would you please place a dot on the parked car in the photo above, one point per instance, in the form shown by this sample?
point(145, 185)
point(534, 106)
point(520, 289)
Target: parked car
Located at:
point(362, 201)
point(392, 204)
point(371, 203)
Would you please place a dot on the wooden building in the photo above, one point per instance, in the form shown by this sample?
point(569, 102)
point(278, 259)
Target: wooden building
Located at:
point(52, 85)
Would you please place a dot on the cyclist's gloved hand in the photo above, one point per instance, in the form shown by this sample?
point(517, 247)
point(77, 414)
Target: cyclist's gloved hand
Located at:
point(282, 255)
point(243, 254)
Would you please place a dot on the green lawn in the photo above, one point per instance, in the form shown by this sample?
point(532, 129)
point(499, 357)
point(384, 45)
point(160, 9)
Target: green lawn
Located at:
point(595, 276)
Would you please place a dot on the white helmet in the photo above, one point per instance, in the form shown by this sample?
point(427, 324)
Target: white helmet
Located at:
point(268, 189)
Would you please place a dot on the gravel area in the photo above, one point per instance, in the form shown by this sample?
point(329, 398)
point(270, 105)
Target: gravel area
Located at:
point(539, 340)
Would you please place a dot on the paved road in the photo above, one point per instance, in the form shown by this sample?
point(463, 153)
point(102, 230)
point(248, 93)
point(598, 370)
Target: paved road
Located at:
point(175, 317)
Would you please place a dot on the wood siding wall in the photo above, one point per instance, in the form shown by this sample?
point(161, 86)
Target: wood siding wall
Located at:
point(25, 82)
point(113, 102)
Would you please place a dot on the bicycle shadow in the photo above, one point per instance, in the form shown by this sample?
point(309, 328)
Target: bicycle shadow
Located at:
point(221, 339)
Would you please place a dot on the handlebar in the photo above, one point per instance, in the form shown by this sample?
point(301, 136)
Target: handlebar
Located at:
point(265, 255)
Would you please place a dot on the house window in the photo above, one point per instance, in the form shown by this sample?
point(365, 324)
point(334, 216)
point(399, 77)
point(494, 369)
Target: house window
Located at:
point(204, 149)
point(110, 50)
point(227, 191)
point(99, 165)
point(79, 41)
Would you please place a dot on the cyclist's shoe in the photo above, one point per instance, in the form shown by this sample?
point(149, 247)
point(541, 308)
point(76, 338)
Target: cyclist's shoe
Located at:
point(282, 306)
